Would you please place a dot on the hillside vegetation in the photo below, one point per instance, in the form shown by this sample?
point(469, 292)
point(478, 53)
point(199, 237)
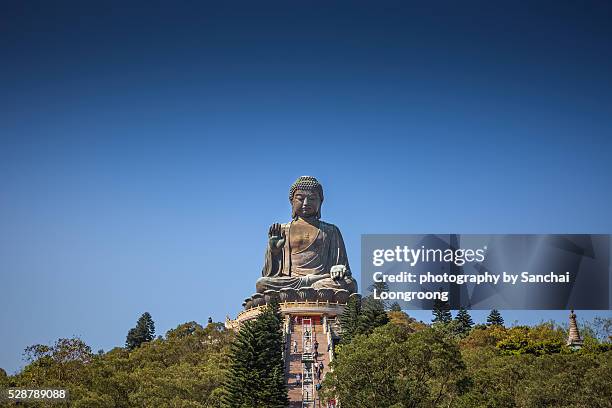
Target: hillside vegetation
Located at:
point(387, 362)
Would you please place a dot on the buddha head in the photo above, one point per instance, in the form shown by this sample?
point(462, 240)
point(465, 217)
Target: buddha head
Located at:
point(306, 197)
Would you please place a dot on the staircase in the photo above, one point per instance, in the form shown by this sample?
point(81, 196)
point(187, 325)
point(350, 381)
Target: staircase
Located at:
point(305, 331)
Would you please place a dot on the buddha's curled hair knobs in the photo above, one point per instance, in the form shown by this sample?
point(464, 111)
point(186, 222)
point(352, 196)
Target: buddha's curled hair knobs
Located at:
point(306, 183)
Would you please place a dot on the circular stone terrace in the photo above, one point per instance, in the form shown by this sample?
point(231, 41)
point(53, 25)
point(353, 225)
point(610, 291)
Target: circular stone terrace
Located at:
point(305, 302)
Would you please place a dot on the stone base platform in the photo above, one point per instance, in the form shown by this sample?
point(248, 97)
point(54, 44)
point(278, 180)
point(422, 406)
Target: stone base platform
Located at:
point(327, 309)
point(301, 302)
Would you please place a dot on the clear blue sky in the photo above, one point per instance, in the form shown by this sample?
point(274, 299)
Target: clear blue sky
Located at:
point(145, 149)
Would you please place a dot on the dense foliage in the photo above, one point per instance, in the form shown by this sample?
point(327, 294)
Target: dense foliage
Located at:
point(395, 367)
point(409, 364)
point(392, 362)
point(184, 369)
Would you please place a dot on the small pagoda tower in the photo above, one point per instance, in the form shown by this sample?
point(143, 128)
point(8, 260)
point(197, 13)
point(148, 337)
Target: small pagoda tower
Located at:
point(573, 339)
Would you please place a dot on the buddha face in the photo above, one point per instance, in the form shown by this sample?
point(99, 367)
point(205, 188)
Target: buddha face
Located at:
point(306, 204)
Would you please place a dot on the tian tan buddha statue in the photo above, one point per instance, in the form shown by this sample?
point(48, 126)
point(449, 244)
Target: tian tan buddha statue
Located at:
point(306, 252)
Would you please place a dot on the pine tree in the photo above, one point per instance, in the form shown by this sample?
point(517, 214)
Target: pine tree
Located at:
point(362, 316)
point(495, 318)
point(143, 332)
point(380, 288)
point(441, 312)
point(349, 319)
point(373, 315)
point(256, 374)
point(274, 393)
point(243, 376)
point(464, 321)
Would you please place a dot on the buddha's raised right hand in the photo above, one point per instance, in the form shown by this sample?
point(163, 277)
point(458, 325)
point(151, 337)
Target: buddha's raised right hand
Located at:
point(276, 237)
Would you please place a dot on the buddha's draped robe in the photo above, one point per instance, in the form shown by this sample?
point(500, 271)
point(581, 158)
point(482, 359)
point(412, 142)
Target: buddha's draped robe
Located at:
point(309, 267)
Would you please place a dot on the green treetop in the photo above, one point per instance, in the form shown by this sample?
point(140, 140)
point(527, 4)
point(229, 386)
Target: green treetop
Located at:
point(464, 321)
point(143, 332)
point(441, 312)
point(495, 318)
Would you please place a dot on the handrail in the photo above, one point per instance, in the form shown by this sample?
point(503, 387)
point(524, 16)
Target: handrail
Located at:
point(308, 400)
point(330, 343)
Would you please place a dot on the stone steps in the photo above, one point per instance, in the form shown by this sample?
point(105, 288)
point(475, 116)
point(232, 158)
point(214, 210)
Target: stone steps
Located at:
point(293, 361)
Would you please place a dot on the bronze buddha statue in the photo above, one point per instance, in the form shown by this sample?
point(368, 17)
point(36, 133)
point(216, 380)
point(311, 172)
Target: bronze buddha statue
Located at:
point(306, 252)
